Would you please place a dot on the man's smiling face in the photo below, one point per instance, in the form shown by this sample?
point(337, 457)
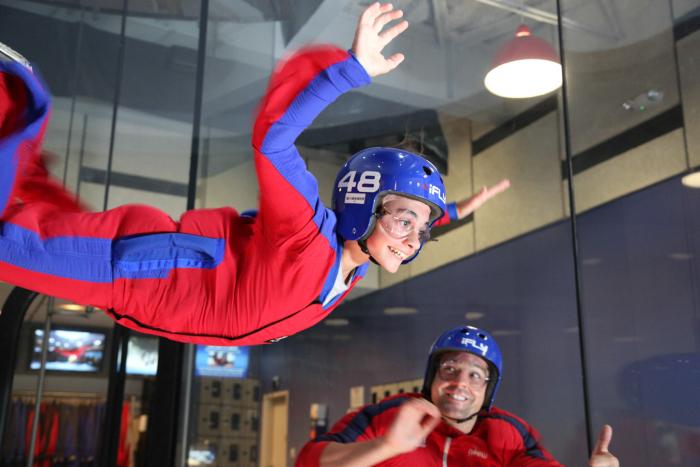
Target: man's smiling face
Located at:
point(460, 383)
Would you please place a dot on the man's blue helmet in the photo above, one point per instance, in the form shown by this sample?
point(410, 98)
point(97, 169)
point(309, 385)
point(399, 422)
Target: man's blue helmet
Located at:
point(472, 340)
point(373, 173)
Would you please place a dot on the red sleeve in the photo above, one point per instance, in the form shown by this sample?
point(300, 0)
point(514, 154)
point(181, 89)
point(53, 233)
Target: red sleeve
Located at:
point(444, 220)
point(36, 184)
point(349, 429)
point(449, 216)
point(310, 454)
point(301, 87)
point(24, 114)
point(363, 424)
point(519, 442)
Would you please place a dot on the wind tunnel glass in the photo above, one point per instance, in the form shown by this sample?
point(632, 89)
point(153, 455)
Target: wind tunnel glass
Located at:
point(476, 377)
point(401, 226)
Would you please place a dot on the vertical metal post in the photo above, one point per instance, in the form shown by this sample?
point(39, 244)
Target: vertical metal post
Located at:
point(109, 443)
point(163, 418)
point(11, 318)
point(72, 93)
point(679, 85)
point(81, 155)
point(183, 435)
point(186, 353)
point(574, 230)
point(117, 99)
point(40, 381)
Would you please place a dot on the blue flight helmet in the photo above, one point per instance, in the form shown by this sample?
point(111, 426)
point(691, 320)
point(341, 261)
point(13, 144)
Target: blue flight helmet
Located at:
point(373, 173)
point(472, 340)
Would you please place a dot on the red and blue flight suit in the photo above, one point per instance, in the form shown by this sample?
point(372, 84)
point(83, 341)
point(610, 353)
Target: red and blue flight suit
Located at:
point(213, 277)
point(498, 438)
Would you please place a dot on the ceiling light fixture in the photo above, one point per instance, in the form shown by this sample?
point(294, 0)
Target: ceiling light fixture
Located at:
point(526, 66)
point(692, 180)
point(505, 332)
point(336, 322)
point(474, 315)
point(680, 256)
point(400, 310)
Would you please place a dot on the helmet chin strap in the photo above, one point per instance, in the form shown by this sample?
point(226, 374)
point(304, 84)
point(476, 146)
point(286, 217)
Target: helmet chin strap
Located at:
point(461, 420)
point(363, 241)
point(363, 246)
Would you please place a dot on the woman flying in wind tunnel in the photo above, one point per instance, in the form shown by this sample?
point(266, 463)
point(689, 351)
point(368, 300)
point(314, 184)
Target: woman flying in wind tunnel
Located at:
point(214, 276)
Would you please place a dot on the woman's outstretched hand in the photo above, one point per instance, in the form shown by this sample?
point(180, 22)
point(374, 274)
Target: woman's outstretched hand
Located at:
point(370, 38)
point(471, 204)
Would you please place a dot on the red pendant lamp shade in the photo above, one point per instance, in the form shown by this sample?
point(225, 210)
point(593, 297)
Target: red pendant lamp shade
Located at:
point(526, 66)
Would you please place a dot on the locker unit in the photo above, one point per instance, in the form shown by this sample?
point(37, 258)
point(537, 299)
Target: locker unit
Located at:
point(210, 420)
point(238, 452)
point(382, 391)
point(211, 390)
point(229, 408)
point(241, 392)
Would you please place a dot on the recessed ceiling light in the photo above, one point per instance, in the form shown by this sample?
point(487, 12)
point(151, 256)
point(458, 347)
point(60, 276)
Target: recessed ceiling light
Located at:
point(626, 339)
point(506, 332)
point(72, 307)
point(680, 256)
point(692, 180)
point(474, 315)
point(400, 310)
point(336, 322)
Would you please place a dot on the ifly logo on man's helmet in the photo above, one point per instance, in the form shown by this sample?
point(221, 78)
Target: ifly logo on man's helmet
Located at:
point(373, 173)
point(480, 348)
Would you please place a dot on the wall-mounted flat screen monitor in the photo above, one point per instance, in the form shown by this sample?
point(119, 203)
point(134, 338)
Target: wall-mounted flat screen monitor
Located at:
point(69, 350)
point(142, 356)
point(226, 362)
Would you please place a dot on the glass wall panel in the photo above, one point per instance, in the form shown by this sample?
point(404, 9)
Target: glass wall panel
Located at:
point(152, 147)
point(79, 62)
point(640, 299)
point(243, 42)
point(144, 76)
point(435, 103)
point(632, 97)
